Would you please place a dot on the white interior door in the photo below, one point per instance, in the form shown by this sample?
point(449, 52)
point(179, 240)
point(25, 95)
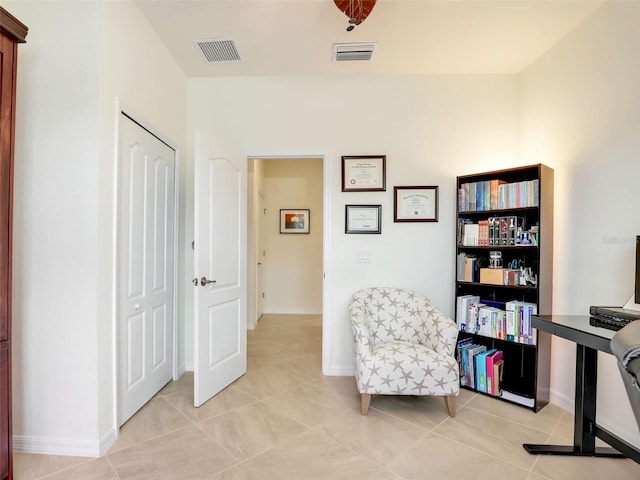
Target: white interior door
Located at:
point(220, 231)
point(146, 222)
point(261, 255)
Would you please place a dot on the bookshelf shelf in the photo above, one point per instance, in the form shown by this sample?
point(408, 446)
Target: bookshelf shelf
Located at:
point(491, 285)
point(505, 214)
point(503, 211)
point(501, 247)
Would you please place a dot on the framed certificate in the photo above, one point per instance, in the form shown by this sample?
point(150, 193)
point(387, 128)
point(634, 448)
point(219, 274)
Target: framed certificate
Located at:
point(364, 174)
point(363, 219)
point(415, 204)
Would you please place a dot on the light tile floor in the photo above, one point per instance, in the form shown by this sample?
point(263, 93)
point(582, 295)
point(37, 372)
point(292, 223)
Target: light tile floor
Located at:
point(285, 420)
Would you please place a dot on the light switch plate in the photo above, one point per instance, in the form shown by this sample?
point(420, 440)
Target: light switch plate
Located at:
point(363, 256)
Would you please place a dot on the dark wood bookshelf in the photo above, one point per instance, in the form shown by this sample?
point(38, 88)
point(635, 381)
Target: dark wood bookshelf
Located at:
point(526, 370)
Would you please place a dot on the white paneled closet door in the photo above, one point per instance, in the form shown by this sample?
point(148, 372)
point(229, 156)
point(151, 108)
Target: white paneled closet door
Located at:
point(146, 224)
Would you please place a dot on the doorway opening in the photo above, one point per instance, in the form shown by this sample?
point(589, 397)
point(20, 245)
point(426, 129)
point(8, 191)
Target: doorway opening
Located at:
point(286, 270)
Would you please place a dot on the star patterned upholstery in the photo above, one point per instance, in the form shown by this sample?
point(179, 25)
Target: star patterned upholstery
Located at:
point(403, 346)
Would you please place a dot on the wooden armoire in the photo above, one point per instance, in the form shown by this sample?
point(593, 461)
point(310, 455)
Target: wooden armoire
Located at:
point(12, 32)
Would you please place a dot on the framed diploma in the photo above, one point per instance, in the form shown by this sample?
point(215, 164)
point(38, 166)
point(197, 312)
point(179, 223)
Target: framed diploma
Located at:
point(415, 204)
point(364, 174)
point(363, 219)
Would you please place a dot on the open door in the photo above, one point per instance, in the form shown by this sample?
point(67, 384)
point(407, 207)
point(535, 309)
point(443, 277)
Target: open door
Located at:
point(220, 224)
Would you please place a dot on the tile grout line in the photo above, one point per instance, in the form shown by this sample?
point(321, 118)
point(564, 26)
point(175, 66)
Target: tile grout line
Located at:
point(51, 474)
point(113, 468)
point(507, 419)
point(482, 452)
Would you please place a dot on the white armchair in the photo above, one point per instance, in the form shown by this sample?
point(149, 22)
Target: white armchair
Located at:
point(403, 346)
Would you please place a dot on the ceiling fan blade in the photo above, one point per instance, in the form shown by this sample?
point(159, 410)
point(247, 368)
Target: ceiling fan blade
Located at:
point(358, 10)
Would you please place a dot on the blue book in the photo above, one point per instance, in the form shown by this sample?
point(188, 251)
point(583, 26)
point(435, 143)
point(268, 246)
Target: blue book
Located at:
point(479, 196)
point(481, 370)
point(463, 345)
point(472, 352)
point(487, 195)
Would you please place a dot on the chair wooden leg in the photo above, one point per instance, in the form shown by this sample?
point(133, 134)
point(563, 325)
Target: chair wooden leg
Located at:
point(366, 400)
point(450, 402)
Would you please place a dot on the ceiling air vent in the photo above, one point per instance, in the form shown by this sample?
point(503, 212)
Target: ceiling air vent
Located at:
point(347, 52)
point(218, 50)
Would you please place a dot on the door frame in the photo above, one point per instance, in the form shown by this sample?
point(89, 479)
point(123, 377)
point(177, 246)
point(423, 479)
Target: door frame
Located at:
point(121, 108)
point(326, 241)
point(260, 235)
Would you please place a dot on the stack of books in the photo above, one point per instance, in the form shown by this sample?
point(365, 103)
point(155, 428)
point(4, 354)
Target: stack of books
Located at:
point(480, 367)
point(510, 321)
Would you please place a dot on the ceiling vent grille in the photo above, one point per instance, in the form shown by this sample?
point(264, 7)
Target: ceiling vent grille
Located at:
point(218, 50)
point(348, 52)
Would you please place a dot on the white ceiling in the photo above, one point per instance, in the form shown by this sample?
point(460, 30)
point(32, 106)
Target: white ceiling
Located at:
point(296, 37)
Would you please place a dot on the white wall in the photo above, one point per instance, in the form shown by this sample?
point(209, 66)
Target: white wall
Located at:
point(581, 115)
point(430, 128)
point(293, 264)
point(78, 57)
point(55, 288)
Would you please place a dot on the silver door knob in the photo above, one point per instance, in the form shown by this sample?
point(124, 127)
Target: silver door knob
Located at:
point(204, 281)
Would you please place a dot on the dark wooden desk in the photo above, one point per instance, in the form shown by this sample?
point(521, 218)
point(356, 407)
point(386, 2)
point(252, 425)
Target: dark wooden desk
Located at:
point(589, 340)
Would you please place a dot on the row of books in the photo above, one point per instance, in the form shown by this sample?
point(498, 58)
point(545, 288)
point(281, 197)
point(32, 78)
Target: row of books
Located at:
point(511, 323)
point(496, 231)
point(480, 367)
point(498, 195)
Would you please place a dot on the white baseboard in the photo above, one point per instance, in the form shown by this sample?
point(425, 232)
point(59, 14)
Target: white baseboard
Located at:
point(63, 446)
point(628, 432)
point(292, 311)
point(107, 441)
point(339, 371)
point(562, 401)
point(181, 369)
